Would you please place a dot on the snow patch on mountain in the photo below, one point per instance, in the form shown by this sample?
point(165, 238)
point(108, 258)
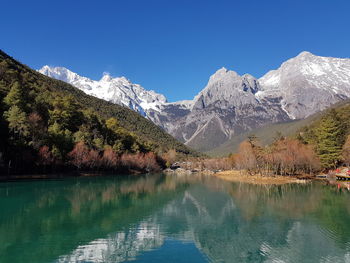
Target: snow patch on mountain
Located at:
point(118, 90)
point(307, 83)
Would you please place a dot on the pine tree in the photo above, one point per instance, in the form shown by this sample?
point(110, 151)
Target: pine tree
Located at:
point(17, 120)
point(346, 151)
point(15, 96)
point(15, 115)
point(330, 137)
point(3, 124)
point(66, 113)
point(61, 140)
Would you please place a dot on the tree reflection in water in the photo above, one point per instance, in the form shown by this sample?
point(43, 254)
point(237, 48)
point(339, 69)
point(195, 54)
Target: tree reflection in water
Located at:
point(115, 219)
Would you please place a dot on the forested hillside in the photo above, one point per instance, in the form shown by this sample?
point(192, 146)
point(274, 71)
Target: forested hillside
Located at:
point(48, 124)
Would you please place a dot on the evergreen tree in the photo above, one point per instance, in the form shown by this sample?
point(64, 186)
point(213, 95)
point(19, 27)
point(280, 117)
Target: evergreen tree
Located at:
point(66, 113)
point(3, 124)
point(330, 137)
point(17, 121)
point(112, 124)
point(346, 151)
point(61, 140)
point(15, 115)
point(15, 96)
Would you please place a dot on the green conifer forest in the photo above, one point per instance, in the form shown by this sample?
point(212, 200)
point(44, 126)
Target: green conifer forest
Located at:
point(47, 125)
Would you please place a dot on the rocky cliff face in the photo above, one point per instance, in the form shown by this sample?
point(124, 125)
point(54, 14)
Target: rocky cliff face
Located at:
point(226, 106)
point(229, 104)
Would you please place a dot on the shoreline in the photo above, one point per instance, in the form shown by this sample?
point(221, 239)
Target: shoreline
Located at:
point(238, 176)
point(243, 177)
point(35, 177)
point(57, 176)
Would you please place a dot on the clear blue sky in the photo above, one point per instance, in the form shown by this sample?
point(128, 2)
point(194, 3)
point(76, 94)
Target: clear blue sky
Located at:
point(172, 46)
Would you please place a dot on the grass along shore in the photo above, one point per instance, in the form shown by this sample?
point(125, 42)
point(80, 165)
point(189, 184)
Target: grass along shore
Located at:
point(244, 177)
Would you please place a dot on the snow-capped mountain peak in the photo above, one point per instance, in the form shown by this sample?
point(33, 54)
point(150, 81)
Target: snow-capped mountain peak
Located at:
point(305, 54)
point(118, 90)
point(308, 83)
point(60, 73)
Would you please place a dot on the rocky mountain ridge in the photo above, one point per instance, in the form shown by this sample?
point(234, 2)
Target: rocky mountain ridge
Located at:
point(229, 104)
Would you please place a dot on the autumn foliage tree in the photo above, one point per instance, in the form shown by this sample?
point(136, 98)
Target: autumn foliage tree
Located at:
point(110, 158)
point(289, 156)
point(141, 162)
point(45, 156)
point(79, 155)
point(250, 155)
point(285, 157)
point(89, 159)
point(170, 157)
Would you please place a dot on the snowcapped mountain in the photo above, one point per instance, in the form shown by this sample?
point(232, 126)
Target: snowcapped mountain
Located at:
point(116, 90)
point(229, 104)
point(307, 84)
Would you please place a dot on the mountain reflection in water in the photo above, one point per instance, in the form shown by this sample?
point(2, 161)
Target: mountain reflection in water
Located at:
point(172, 219)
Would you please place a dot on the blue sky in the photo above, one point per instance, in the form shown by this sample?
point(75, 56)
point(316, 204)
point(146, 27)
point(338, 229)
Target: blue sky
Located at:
point(172, 46)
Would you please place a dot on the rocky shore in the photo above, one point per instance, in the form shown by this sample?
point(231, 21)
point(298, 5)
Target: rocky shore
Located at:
point(182, 171)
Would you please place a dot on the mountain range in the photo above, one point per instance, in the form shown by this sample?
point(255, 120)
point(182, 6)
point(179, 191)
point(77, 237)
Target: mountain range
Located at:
point(230, 104)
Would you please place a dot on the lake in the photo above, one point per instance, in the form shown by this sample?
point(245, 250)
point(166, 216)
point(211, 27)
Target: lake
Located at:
point(159, 218)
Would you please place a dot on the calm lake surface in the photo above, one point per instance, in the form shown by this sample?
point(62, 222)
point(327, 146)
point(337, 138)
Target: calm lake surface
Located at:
point(158, 218)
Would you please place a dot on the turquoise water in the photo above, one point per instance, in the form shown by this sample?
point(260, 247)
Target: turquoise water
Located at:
point(158, 218)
